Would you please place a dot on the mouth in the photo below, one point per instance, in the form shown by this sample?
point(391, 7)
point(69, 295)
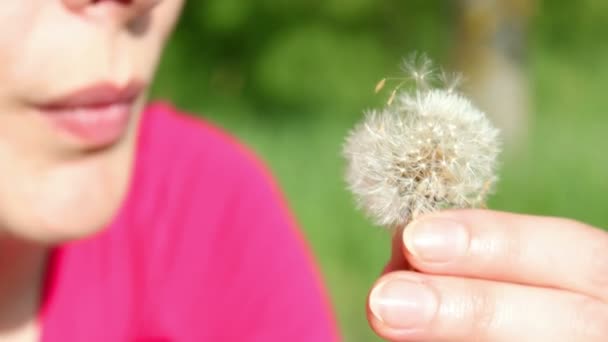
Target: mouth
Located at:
point(97, 115)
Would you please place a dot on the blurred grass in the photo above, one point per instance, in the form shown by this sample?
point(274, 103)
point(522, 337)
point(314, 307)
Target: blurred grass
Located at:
point(563, 170)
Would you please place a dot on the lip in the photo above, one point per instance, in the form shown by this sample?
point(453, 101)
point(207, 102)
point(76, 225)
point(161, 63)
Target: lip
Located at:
point(96, 115)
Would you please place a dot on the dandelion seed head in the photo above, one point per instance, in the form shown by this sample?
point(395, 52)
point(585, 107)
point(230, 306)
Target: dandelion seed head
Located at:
point(429, 149)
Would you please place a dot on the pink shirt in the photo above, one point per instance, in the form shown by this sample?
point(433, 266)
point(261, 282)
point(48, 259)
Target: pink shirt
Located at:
point(203, 249)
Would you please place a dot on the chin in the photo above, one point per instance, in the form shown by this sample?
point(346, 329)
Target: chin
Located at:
point(70, 225)
point(87, 207)
point(69, 201)
point(63, 224)
point(60, 222)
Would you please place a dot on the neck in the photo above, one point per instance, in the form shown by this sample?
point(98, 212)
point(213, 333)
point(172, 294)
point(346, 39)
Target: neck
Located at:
point(22, 267)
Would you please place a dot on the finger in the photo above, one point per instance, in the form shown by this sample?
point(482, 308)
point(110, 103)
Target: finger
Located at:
point(539, 251)
point(397, 261)
point(407, 306)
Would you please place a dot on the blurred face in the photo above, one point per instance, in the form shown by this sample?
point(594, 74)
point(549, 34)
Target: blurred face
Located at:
point(73, 77)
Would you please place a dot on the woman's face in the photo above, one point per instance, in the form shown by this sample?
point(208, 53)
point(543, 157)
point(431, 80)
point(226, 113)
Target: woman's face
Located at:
point(73, 76)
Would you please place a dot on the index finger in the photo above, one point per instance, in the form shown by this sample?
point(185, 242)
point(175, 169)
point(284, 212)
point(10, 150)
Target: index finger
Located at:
point(532, 250)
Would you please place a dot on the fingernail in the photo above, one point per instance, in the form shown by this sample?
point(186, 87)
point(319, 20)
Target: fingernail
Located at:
point(436, 240)
point(403, 304)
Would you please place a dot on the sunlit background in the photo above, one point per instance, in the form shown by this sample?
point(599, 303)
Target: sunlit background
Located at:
point(290, 78)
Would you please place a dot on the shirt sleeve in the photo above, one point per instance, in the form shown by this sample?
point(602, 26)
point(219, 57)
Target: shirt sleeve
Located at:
point(231, 264)
point(276, 293)
point(219, 256)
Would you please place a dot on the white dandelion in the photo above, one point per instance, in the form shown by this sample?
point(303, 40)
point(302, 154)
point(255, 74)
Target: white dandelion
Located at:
point(428, 149)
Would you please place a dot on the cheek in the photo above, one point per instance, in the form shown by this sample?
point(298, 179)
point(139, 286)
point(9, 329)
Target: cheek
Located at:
point(146, 46)
point(164, 18)
point(170, 10)
point(17, 20)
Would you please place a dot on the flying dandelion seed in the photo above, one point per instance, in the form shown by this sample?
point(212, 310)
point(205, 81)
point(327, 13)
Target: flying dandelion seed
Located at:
point(428, 149)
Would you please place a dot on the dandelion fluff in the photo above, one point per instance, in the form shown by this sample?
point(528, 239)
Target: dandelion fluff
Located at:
point(429, 149)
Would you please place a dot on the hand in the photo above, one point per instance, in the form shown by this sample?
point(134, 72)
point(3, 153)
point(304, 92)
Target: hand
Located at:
point(488, 276)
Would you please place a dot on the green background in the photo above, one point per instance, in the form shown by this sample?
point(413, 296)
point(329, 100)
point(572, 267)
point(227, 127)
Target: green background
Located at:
point(290, 78)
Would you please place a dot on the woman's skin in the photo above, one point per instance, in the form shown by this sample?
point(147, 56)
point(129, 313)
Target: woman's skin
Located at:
point(492, 276)
point(55, 186)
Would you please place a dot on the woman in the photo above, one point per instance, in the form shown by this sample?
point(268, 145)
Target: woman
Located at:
point(126, 222)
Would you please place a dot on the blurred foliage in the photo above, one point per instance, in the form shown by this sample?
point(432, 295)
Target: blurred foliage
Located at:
point(312, 57)
point(290, 77)
point(301, 57)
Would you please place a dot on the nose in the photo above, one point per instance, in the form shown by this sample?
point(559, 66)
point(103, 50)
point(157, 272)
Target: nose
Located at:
point(124, 10)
